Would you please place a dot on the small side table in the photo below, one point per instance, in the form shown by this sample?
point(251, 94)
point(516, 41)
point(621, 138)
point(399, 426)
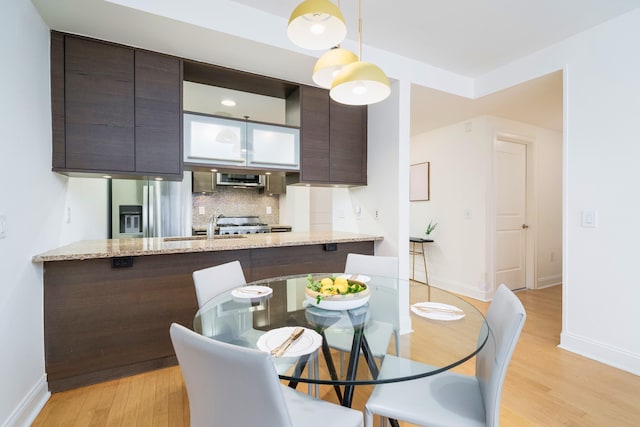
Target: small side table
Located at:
point(413, 251)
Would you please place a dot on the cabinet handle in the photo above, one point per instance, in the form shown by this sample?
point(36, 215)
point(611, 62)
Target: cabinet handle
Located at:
point(524, 226)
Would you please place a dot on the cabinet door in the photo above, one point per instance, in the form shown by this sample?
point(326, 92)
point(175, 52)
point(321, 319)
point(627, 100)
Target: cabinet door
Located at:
point(203, 182)
point(314, 134)
point(271, 146)
point(158, 117)
point(99, 106)
point(348, 144)
point(275, 183)
point(214, 140)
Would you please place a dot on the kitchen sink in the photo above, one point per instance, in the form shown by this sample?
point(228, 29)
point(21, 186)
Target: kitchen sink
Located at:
point(216, 237)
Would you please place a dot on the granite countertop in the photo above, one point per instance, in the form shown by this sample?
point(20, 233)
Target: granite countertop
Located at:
point(204, 227)
point(90, 249)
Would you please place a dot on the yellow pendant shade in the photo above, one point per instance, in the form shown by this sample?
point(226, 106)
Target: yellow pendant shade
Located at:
point(360, 83)
point(330, 64)
point(317, 25)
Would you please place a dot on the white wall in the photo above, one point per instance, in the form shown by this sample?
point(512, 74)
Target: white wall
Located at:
point(33, 199)
point(461, 199)
point(601, 107)
point(603, 150)
point(85, 215)
point(460, 179)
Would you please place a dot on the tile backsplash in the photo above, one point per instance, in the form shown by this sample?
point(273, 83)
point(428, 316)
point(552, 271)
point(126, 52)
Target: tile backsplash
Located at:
point(235, 202)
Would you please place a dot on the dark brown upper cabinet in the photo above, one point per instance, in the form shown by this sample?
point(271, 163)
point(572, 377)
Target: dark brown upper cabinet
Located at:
point(158, 91)
point(333, 140)
point(115, 110)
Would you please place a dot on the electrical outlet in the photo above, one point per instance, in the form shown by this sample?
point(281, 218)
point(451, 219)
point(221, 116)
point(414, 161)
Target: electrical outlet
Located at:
point(67, 218)
point(467, 214)
point(268, 210)
point(201, 210)
point(377, 214)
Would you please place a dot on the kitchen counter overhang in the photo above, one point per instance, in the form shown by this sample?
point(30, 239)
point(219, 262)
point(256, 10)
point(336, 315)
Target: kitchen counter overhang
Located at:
point(113, 248)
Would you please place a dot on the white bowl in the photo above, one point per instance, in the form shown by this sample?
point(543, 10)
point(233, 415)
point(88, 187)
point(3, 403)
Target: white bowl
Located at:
point(338, 302)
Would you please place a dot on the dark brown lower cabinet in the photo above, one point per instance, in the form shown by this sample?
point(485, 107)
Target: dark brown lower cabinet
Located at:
point(102, 322)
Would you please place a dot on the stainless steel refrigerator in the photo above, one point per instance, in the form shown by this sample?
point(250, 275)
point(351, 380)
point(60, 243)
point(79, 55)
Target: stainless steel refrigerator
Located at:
point(146, 208)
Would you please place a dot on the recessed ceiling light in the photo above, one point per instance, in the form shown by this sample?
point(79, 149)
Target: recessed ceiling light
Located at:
point(106, 176)
point(228, 102)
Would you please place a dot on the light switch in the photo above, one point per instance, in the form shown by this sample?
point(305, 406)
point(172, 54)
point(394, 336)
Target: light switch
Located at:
point(3, 226)
point(467, 214)
point(589, 219)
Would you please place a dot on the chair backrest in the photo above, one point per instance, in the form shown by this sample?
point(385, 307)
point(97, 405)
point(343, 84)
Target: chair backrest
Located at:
point(374, 265)
point(383, 304)
point(212, 281)
point(505, 317)
point(227, 384)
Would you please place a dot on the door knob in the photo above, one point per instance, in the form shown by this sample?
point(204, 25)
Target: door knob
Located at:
point(524, 226)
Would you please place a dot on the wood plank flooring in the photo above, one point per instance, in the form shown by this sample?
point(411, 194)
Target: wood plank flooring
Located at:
point(545, 386)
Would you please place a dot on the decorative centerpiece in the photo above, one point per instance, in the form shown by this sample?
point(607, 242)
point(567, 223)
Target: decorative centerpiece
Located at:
point(336, 293)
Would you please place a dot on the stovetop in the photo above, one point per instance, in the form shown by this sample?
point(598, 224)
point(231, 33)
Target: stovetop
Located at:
point(241, 225)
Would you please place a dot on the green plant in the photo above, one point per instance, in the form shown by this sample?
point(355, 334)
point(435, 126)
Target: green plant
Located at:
point(432, 226)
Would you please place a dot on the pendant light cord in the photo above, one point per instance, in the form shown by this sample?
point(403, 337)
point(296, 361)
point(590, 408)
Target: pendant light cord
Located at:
point(360, 30)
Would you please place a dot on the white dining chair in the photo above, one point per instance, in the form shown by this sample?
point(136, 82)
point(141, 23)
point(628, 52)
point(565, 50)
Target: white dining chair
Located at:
point(228, 385)
point(212, 281)
point(383, 308)
point(215, 280)
point(451, 399)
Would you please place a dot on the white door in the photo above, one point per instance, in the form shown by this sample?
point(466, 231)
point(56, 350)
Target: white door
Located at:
point(511, 208)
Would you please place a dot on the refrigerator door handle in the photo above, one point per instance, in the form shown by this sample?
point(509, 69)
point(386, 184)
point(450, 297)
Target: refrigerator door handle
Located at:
point(145, 211)
point(152, 210)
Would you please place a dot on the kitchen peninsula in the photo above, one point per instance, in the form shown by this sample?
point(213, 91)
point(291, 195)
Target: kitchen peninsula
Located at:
point(108, 304)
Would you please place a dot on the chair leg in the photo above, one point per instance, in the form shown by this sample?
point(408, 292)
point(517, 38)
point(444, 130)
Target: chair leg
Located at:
point(368, 418)
point(396, 339)
point(313, 370)
point(316, 369)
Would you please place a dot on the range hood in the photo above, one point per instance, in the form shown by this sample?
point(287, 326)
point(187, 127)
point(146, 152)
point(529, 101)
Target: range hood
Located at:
point(240, 180)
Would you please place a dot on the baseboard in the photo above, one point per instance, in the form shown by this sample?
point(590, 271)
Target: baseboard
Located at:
point(548, 281)
point(462, 289)
point(31, 405)
point(604, 353)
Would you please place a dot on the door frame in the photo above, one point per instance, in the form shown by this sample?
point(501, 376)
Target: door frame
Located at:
point(530, 263)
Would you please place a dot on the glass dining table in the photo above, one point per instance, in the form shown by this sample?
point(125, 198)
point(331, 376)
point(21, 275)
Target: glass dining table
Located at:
point(445, 330)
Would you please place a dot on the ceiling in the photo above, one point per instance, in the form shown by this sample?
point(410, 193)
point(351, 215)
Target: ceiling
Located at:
point(466, 37)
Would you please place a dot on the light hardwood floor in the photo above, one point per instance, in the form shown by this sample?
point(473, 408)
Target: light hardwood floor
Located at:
point(545, 386)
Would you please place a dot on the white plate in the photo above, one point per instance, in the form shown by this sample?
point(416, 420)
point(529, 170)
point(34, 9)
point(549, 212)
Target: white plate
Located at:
point(437, 311)
point(308, 342)
point(359, 278)
point(251, 292)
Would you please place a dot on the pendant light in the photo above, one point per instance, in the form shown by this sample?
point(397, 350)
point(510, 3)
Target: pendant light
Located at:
point(360, 83)
point(330, 64)
point(317, 25)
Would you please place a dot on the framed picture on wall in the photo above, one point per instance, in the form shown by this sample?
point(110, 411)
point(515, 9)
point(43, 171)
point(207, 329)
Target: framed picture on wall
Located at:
point(419, 182)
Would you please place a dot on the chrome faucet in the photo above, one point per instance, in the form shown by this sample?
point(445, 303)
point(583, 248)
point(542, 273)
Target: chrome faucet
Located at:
point(211, 227)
